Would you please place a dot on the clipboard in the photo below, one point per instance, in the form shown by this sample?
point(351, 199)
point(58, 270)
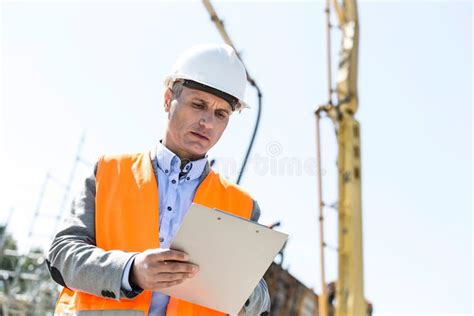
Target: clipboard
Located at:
point(232, 253)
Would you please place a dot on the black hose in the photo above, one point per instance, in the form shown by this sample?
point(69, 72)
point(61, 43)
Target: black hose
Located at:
point(257, 123)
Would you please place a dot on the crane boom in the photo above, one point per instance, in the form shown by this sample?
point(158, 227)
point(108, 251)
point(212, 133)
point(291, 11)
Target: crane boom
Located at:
point(349, 296)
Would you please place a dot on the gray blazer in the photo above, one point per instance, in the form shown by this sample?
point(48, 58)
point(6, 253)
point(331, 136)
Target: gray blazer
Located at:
point(75, 262)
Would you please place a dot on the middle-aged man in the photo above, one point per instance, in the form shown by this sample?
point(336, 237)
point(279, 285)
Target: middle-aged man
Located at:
point(112, 254)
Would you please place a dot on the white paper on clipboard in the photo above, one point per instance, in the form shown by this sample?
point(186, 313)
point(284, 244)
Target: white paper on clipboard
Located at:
point(232, 254)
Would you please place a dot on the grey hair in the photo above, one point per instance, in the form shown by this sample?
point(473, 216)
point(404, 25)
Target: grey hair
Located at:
point(177, 88)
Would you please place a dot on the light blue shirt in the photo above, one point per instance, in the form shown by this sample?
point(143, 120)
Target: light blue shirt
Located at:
point(176, 193)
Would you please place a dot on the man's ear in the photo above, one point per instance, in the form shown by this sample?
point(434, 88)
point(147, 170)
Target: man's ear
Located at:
point(167, 99)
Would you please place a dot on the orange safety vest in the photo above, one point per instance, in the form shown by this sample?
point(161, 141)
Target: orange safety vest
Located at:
point(127, 217)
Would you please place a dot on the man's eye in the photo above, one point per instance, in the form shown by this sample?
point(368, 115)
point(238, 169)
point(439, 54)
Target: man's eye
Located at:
point(198, 105)
point(221, 115)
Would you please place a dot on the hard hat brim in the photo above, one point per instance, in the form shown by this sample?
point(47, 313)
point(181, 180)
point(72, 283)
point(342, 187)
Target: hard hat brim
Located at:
point(170, 79)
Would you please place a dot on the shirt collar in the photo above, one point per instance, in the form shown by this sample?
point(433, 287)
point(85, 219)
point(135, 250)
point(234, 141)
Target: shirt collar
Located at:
point(170, 164)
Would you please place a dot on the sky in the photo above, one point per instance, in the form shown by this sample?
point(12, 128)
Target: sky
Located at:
point(94, 69)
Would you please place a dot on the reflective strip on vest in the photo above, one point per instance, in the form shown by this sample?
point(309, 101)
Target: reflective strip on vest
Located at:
point(126, 186)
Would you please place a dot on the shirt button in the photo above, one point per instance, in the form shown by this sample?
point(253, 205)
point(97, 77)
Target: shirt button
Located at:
point(188, 178)
point(166, 171)
point(173, 181)
point(161, 239)
point(169, 208)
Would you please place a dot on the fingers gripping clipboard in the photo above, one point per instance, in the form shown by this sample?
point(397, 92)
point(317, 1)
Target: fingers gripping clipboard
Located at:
point(232, 254)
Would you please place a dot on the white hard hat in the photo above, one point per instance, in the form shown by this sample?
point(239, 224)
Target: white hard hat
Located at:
point(215, 68)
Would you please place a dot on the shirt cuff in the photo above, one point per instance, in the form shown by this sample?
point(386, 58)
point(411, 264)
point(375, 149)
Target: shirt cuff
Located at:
point(126, 274)
point(259, 301)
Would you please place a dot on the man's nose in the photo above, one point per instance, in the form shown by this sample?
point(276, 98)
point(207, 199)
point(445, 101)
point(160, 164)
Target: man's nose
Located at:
point(207, 120)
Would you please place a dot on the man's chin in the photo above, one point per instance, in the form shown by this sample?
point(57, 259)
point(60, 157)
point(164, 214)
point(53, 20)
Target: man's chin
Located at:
point(197, 152)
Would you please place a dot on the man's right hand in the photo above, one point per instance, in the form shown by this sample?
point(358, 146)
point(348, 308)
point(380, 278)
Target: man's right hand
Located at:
point(156, 269)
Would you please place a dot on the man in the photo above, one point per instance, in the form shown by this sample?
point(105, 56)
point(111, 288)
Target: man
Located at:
point(112, 255)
